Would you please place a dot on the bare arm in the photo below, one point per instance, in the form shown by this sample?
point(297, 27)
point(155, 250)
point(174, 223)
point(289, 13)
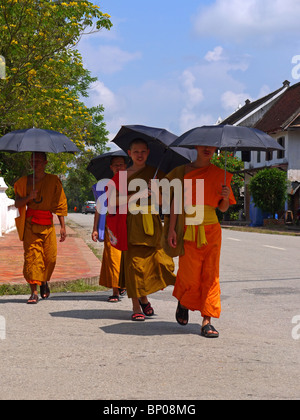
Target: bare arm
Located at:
point(95, 234)
point(172, 237)
point(224, 202)
point(63, 233)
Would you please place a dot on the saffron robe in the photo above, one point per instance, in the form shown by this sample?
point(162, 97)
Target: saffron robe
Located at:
point(39, 241)
point(197, 284)
point(145, 267)
point(111, 261)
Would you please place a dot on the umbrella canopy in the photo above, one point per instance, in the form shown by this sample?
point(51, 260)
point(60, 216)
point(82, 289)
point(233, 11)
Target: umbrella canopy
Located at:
point(228, 137)
point(100, 165)
point(36, 140)
point(159, 140)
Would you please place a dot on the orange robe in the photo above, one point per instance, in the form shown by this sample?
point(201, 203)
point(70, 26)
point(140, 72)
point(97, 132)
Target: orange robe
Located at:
point(110, 268)
point(145, 267)
point(39, 241)
point(197, 284)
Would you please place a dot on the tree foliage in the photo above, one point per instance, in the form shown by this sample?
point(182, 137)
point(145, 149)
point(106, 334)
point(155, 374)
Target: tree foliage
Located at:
point(269, 190)
point(45, 80)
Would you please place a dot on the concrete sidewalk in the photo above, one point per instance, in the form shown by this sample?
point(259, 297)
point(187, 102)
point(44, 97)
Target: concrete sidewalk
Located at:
point(80, 346)
point(75, 260)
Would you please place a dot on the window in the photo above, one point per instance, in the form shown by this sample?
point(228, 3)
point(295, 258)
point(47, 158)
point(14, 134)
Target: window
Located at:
point(269, 155)
point(281, 153)
point(258, 157)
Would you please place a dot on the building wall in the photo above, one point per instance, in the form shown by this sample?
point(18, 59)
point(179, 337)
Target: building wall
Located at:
point(294, 156)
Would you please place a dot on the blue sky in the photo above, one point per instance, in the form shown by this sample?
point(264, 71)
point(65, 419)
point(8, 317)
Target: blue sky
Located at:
point(179, 65)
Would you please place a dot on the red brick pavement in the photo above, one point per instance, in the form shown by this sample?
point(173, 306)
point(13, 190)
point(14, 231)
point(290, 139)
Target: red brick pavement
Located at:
point(75, 260)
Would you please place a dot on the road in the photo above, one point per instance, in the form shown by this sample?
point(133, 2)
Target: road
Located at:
point(79, 346)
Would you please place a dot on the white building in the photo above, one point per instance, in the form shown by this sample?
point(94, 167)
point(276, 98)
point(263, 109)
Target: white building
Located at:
point(277, 114)
point(8, 212)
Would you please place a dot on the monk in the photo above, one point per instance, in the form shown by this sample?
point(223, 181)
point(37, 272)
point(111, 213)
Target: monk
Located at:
point(111, 258)
point(35, 224)
point(145, 268)
point(197, 285)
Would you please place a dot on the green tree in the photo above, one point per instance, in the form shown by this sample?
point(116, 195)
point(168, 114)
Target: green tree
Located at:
point(269, 190)
point(45, 79)
point(233, 165)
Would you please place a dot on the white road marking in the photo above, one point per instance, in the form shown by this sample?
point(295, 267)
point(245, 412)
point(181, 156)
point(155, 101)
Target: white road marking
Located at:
point(234, 239)
point(274, 247)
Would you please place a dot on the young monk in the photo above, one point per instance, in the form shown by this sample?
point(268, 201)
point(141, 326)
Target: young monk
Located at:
point(145, 268)
point(197, 284)
point(35, 224)
point(111, 259)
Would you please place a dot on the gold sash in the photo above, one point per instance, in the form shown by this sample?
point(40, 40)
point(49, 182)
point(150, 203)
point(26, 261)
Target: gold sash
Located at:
point(147, 218)
point(205, 215)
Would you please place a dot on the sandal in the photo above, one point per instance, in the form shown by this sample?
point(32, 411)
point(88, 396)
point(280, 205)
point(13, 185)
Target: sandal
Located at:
point(33, 299)
point(45, 291)
point(205, 331)
point(147, 308)
point(137, 317)
point(122, 292)
point(182, 315)
point(113, 299)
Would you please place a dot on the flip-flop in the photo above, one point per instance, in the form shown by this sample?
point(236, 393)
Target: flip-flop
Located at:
point(147, 308)
point(205, 331)
point(122, 292)
point(138, 317)
point(113, 299)
point(33, 299)
point(45, 291)
point(182, 315)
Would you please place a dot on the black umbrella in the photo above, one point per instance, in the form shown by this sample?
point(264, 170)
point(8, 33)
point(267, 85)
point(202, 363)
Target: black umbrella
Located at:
point(36, 140)
point(228, 137)
point(161, 156)
point(100, 165)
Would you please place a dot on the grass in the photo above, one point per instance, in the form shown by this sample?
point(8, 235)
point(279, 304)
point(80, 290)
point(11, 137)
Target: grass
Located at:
point(77, 286)
point(274, 230)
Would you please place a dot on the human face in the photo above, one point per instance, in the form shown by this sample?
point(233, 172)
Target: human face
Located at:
point(38, 163)
point(205, 153)
point(118, 164)
point(139, 154)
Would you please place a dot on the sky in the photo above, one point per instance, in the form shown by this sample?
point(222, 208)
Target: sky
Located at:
point(179, 64)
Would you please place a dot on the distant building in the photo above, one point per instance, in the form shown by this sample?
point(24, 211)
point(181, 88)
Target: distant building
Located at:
point(277, 114)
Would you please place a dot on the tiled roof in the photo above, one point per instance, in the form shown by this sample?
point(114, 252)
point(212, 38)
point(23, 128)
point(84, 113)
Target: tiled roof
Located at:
point(283, 112)
point(249, 107)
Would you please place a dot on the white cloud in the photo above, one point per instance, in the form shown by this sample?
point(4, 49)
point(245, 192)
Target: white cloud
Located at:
point(189, 120)
point(100, 94)
point(105, 59)
point(193, 94)
point(240, 20)
point(215, 55)
point(232, 101)
point(110, 59)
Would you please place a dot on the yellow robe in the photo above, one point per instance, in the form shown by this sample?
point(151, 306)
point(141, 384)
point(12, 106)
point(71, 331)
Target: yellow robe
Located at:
point(145, 268)
point(110, 268)
point(197, 284)
point(39, 241)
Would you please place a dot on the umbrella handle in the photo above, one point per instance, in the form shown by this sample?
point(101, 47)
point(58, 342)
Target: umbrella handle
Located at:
point(33, 174)
point(225, 176)
point(159, 165)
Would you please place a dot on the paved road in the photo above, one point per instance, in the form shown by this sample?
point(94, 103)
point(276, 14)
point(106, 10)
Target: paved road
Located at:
point(79, 346)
